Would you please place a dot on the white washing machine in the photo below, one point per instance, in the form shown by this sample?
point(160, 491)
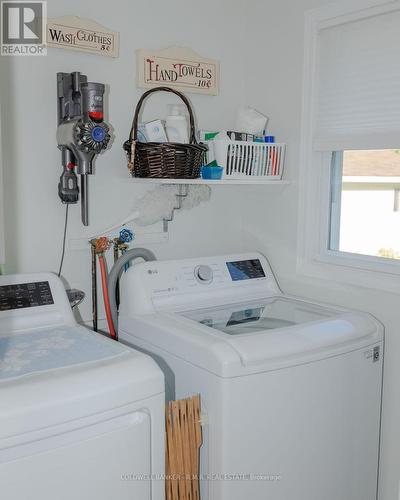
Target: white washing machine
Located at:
point(81, 416)
point(291, 389)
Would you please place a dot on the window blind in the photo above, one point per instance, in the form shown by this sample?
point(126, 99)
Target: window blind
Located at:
point(2, 232)
point(358, 85)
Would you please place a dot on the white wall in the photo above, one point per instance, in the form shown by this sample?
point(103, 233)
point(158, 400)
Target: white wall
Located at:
point(270, 49)
point(276, 82)
point(35, 215)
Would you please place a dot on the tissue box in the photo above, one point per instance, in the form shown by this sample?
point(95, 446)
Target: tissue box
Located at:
point(155, 131)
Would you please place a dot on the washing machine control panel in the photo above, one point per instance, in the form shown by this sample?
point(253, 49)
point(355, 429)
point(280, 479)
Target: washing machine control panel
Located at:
point(36, 300)
point(21, 295)
point(227, 272)
point(158, 285)
point(172, 277)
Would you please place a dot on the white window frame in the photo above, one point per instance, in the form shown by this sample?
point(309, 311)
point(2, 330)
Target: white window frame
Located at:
point(314, 258)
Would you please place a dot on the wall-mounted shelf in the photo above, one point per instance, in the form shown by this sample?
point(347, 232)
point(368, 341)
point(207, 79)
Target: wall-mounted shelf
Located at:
point(221, 182)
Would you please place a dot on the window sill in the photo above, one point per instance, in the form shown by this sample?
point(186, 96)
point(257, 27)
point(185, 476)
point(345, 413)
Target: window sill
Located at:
point(353, 269)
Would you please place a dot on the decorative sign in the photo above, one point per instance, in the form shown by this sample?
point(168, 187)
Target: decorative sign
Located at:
point(76, 33)
point(179, 68)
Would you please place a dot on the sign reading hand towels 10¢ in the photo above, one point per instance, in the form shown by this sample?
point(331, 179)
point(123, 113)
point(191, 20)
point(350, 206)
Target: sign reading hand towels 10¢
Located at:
point(179, 68)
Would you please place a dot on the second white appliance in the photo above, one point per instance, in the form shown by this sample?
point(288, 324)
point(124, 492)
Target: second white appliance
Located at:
point(81, 416)
point(291, 389)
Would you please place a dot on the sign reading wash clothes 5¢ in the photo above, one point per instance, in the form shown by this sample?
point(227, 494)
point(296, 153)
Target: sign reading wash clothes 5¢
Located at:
point(179, 68)
point(76, 33)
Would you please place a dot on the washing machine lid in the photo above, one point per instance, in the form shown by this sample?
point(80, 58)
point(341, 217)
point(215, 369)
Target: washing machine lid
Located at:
point(55, 375)
point(258, 317)
point(275, 332)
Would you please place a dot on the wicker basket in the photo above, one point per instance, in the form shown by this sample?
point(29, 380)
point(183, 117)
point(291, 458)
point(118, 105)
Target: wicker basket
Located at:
point(164, 159)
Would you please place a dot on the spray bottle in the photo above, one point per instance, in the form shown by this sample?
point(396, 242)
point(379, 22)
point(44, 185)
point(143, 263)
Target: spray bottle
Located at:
point(177, 125)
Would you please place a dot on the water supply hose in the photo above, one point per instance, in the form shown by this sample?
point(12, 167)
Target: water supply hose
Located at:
point(135, 253)
point(94, 284)
point(101, 245)
point(103, 271)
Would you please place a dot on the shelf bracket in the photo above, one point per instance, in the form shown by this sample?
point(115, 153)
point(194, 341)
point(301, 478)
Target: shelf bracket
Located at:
point(182, 192)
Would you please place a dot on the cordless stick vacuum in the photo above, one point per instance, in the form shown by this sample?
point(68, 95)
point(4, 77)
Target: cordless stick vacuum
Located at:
point(81, 135)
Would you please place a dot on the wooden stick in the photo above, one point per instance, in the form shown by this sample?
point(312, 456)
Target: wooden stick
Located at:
point(179, 450)
point(189, 413)
point(197, 411)
point(168, 492)
point(198, 435)
point(194, 449)
point(186, 449)
point(171, 456)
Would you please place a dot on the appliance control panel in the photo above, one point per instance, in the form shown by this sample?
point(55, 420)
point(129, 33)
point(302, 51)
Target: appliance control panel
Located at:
point(33, 301)
point(21, 295)
point(210, 275)
point(206, 278)
point(245, 269)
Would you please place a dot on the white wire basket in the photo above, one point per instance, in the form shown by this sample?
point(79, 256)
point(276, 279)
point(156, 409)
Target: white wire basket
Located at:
point(249, 160)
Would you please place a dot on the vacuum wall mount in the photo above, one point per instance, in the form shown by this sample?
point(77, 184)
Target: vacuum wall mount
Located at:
point(81, 135)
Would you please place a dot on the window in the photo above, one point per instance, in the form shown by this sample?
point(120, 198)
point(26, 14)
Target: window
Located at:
point(358, 108)
point(365, 216)
point(349, 226)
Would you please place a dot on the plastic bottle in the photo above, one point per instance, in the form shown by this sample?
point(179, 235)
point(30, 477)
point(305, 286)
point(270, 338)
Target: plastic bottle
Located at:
point(177, 125)
point(273, 159)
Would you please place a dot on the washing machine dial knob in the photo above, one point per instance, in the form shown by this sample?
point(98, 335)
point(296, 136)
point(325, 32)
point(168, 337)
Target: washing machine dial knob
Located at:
point(203, 274)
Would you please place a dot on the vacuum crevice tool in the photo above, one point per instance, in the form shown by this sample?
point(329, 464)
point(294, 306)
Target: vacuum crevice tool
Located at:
point(81, 135)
